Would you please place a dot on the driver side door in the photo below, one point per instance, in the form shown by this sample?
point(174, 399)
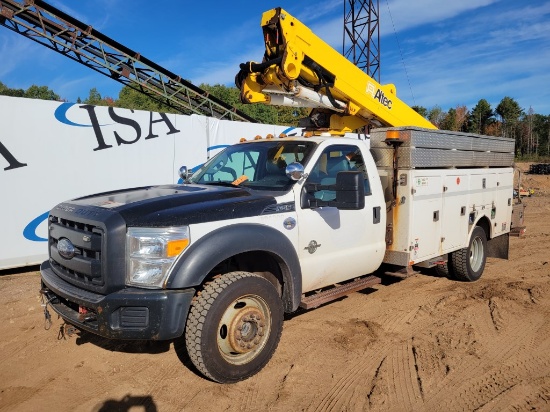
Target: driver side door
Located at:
point(336, 245)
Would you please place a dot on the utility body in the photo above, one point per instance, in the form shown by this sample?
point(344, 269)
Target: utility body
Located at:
point(271, 225)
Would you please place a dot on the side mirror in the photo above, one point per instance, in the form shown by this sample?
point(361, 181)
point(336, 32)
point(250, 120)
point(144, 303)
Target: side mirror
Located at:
point(294, 171)
point(350, 191)
point(184, 173)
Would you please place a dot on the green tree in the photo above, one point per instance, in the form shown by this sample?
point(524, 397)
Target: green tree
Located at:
point(436, 116)
point(461, 113)
point(263, 113)
point(449, 121)
point(41, 92)
point(94, 97)
point(6, 91)
point(509, 111)
point(229, 95)
point(289, 116)
point(422, 111)
point(481, 117)
point(541, 131)
point(533, 135)
point(133, 99)
point(455, 119)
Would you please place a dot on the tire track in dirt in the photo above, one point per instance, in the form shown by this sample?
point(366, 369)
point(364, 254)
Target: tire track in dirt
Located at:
point(257, 391)
point(13, 396)
point(406, 388)
point(523, 397)
point(381, 363)
point(493, 350)
point(161, 375)
point(431, 361)
point(499, 381)
point(353, 375)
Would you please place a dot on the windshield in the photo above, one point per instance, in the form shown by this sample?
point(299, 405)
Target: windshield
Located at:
point(259, 165)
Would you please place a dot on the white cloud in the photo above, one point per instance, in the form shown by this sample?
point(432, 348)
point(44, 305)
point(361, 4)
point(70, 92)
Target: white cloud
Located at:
point(224, 72)
point(68, 10)
point(17, 50)
point(406, 14)
point(455, 52)
point(489, 54)
point(320, 9)
point(447, 76)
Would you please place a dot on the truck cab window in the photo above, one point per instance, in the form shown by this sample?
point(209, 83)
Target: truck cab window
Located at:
point(334, 159)
point(257, 165)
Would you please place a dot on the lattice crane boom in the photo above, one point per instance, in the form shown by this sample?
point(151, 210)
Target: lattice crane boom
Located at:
point(361, 43)
point(43, 23)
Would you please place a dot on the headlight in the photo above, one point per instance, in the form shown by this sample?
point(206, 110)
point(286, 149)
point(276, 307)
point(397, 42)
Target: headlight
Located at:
point(151, 252)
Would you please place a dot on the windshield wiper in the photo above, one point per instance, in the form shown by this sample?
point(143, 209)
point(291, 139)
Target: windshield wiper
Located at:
point(219, 183)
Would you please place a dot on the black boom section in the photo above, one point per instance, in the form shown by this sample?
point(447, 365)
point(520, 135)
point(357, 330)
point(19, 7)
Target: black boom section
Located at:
point(43, 23)
point(219, 245)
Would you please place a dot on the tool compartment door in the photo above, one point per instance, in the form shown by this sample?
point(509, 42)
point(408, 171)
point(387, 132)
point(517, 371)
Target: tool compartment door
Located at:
point(425, 240)
point(454, 226)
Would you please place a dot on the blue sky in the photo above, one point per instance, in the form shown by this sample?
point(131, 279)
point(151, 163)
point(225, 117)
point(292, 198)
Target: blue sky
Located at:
point(436, 52)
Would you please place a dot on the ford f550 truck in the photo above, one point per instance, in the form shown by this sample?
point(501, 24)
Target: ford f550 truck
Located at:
point(271, 225)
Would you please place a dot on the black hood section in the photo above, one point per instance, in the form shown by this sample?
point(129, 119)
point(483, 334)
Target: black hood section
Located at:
point(175, 205)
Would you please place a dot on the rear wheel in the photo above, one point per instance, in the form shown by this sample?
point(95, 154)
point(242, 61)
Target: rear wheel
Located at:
point(443, 270)
point(234, 326)
point(467, 264)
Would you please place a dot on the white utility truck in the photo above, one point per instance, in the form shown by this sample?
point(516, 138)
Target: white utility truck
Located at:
point(274, 224)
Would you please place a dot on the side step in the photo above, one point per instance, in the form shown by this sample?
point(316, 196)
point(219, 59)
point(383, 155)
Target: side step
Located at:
point(403, 273)
point(317, 299)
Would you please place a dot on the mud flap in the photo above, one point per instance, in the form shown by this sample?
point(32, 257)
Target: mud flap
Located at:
point(498, 247)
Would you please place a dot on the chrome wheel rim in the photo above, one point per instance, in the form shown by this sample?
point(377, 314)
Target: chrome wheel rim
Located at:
point(476, 254)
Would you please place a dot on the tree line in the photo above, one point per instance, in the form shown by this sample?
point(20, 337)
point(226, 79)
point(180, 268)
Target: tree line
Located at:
point(530, 130)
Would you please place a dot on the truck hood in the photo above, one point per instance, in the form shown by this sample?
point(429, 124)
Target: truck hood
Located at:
point(175, 205)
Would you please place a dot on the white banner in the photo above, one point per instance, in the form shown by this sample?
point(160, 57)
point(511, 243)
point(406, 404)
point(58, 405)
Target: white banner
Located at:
point(51, 152)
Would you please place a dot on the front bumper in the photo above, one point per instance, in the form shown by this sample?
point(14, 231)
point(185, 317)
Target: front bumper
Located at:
point(130, 313)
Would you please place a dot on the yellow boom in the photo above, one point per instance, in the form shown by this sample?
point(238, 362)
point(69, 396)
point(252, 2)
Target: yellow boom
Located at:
point(299, 69)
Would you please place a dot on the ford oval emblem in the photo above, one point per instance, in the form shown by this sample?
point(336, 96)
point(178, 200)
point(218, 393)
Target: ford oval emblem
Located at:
point(65, 248)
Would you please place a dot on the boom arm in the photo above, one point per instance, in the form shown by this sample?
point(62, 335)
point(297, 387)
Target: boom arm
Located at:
point(299, 69)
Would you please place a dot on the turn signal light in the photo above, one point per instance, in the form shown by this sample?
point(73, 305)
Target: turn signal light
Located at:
point(175, 247)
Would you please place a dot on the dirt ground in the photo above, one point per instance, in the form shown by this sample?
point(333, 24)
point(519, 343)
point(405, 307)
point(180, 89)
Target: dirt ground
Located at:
point(425, 343)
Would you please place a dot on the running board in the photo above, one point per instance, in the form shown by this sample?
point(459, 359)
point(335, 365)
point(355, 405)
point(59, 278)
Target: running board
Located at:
point(403, 273)
point(317, 299)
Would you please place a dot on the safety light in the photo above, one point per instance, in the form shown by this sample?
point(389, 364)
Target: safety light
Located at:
point(392, 134)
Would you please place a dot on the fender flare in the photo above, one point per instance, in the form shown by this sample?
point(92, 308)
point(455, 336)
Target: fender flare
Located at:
point(219, 245)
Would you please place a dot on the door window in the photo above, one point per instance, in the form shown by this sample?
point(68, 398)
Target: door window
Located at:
point(334, 159)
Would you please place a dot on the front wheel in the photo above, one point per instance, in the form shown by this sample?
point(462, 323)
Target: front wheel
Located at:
point(234, 326)
point(467, 264)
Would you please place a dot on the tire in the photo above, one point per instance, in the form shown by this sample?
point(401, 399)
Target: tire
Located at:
point(442, 270)
point(467, 264)
point(234, 327)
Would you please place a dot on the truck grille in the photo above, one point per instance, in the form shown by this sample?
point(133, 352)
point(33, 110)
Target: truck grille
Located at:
point(84, 268)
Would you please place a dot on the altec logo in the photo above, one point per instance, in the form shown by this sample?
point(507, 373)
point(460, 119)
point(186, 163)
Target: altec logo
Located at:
point(378, 94)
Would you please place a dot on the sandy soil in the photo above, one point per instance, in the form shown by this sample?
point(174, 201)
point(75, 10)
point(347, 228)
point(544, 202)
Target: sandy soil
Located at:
point(425, 343)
